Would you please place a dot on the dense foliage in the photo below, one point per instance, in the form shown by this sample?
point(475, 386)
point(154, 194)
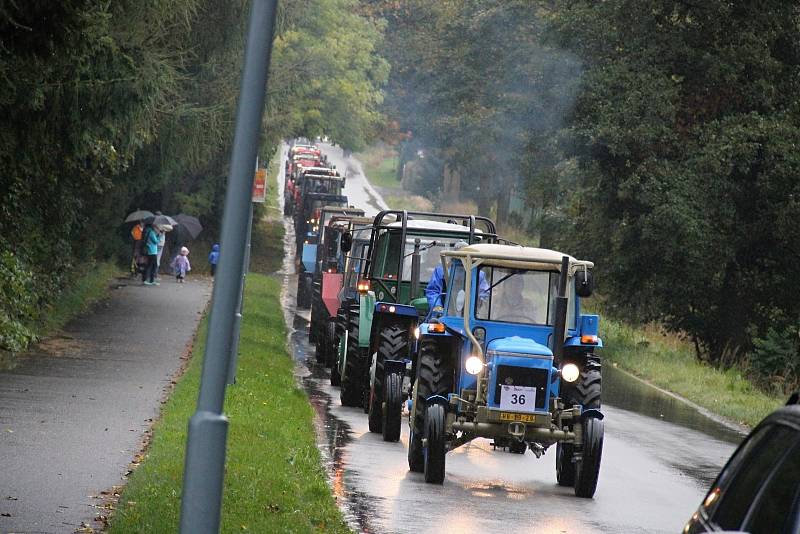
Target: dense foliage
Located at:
point(106, 107)
point(658, 138)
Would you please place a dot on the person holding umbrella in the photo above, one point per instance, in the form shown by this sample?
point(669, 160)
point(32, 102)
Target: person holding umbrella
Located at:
point(150, 249)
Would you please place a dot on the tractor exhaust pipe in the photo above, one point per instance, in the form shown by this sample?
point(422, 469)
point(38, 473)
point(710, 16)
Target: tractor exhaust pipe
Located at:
point(562, 303)
point(415, 270)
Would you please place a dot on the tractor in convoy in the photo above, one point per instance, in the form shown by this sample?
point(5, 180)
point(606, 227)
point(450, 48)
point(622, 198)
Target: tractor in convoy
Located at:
point(402, 255)
point(301, 156)
point(319, 187)
point(354, 244)
point(510, 358)
point(328, 276)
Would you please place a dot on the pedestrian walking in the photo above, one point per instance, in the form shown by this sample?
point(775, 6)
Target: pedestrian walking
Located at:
point(181, 265)
point(213, 258)
point(150, 250)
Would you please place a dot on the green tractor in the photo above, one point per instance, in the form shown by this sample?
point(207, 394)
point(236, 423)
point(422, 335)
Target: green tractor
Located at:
point(398, 262)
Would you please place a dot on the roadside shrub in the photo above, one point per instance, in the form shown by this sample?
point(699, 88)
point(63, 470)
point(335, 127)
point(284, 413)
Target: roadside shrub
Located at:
point(18, 303)
point(776, 358)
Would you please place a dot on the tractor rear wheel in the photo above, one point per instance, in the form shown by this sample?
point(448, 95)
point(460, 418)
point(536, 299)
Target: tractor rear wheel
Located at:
point(350, 392)
point(587, 469)
point(435, 448)
point(392, 345)
point(393, 400)
point(434, 377)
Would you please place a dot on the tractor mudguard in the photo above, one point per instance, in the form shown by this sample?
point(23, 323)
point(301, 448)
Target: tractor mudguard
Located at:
point(394, 366)
point(437, 399)
point(592, 413)
point(309, 258)
point(396, 309)
point(331, 285)
point(366, 309)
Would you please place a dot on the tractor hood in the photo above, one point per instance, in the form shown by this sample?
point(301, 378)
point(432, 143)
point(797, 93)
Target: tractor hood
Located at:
point(517, 345)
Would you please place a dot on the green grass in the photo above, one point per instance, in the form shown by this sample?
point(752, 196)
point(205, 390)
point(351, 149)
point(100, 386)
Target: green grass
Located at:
point(669, 363)
point(273, 480)
point(86, 290)
point(267, 239)
point(380, 166)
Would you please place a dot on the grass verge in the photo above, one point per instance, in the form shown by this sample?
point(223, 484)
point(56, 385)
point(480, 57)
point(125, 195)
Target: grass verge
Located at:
point(273, 480)
point(669, 363)
point(267, 237)
point(380, 165)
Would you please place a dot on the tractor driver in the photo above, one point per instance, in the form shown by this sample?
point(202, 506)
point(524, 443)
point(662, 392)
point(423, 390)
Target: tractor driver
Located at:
point(435, 290)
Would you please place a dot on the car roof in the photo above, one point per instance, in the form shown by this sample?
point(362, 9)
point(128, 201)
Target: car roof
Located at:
point(517, 257)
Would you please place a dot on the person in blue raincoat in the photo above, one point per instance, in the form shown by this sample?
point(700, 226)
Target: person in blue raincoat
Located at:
point(435, 292)
point(150, 249)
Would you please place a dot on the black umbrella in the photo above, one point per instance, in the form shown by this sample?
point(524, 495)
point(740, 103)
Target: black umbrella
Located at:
point(138, 215)
point(190, 224)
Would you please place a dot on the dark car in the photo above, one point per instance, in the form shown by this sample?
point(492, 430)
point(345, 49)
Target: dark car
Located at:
point(758, 490)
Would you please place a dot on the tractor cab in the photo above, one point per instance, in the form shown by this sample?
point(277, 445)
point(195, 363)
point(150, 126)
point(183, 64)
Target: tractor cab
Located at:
point(518, 359)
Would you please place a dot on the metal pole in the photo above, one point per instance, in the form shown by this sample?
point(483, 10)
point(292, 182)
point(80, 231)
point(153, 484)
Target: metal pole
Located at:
point(233, 360)
point(204, 468)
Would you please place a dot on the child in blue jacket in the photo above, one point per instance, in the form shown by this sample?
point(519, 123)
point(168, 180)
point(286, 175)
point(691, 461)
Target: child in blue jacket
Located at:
point(213, 258)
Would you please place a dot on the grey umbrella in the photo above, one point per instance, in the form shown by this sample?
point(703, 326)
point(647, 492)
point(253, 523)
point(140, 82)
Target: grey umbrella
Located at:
point(190, 224)
point(163, 219)
point(138, 215)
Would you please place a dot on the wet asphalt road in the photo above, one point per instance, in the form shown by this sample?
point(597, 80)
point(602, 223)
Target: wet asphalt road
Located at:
point(659, 458)
point(74, 414)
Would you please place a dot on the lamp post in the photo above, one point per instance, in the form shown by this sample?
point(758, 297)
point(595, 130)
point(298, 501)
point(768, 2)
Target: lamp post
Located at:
point(204, 468)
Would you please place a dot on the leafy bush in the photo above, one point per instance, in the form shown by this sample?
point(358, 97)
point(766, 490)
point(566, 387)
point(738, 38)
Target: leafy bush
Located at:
point(18, 303)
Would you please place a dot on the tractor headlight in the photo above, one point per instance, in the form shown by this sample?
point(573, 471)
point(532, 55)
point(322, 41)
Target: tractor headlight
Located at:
point(416, 332)
point(473, 365)
point(570, 372)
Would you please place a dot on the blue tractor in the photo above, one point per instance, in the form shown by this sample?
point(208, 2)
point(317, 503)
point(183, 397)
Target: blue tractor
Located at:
point(512, 359)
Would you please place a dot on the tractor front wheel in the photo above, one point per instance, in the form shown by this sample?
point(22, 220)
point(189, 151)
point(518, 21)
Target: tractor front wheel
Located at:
point(435, 447)
point(434, 377)
point(392, 345)
point(587, 469)
point(518, 447)
point(393, 401)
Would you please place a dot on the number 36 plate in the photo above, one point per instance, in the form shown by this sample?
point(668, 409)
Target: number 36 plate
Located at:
point(518, 399)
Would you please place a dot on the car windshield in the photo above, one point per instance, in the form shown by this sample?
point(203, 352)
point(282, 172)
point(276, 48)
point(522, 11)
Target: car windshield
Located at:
point(517, 296)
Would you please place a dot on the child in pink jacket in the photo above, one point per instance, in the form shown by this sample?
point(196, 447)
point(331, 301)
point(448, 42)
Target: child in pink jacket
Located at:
point(181, 264)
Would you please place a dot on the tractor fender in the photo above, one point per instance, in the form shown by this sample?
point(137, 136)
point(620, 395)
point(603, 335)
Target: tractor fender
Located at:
point(437, 399)
point(395, 309)
point(592, 413)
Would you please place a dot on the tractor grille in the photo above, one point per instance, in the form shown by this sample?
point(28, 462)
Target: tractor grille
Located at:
point(523, 376)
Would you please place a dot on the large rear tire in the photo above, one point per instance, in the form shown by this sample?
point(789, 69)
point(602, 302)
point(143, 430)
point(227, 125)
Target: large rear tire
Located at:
point(331, 340)
point(435, 448)
point(351, 381)
point(392, 345)
point(393, 400)
point(587, 469)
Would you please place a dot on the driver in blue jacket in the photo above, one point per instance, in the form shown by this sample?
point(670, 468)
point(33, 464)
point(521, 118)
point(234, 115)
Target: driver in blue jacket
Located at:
point(434, 291)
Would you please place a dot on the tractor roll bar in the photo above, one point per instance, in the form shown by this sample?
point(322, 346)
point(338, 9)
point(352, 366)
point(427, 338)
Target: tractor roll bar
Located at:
point(469, 221)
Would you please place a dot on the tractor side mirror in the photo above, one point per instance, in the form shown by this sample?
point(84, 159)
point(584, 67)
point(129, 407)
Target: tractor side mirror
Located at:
point(346, 242)
point(584, 283)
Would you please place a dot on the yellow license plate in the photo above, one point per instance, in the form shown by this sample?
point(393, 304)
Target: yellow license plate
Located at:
point(524, 417)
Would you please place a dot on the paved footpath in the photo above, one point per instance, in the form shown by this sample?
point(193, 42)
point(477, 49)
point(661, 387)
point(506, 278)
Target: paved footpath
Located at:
point(74, 413)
